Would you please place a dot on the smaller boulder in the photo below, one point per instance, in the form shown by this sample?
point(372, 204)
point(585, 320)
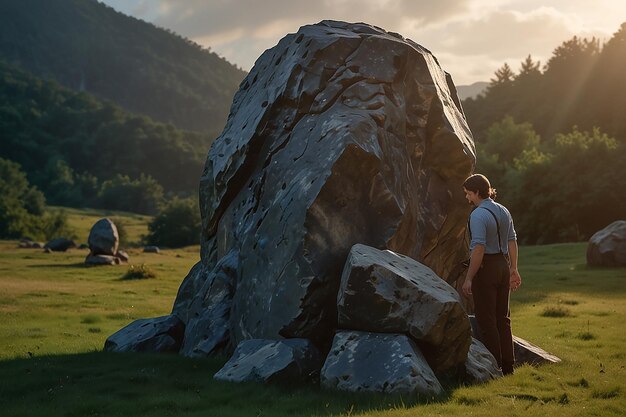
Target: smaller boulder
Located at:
point(378, 362)
point(92, 259)
point(160, 334)
point(83, 246)
point(122, 256)
point(607, 247)
point(151, 249)
point(103, 238)
point(261, 360)
point(60, 245)
point(481, 366)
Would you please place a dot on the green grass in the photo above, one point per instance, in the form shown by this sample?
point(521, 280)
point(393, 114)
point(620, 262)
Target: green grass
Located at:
point(56, 314)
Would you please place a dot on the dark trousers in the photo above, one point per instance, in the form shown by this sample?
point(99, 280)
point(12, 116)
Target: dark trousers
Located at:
point(490, 289)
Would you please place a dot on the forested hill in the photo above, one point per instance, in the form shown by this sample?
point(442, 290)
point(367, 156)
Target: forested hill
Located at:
point(83, 152)
point(88, 46)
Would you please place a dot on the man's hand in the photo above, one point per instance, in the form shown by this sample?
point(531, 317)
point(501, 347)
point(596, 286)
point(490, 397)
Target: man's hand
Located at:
point(515, 280)
point(467, 288)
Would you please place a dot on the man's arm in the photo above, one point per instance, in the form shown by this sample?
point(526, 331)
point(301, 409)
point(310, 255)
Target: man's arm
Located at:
point(515, 279)
point(476, 259)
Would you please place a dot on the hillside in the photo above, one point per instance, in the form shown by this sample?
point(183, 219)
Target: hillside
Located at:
point(87, 46)
point(69, 143)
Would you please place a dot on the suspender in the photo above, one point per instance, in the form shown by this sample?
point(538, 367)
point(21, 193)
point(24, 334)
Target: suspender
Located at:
point(469, 228)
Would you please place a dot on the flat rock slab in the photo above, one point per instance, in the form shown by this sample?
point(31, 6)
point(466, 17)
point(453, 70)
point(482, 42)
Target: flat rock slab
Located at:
point(102, 260)
point(382, 291)
point(607, 247)
point(526, 352)
point(282, 361)
point(376, 362)
point(481, 366)
point(160, 334)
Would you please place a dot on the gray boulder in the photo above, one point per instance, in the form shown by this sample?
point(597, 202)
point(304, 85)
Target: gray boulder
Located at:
point(122, 256)
point(376, 362)
point(103, 238)
point(526, 352)
point(481, 366)
point(382, 291)
point(607, 247)
point(101, 260)
point(283, 361)
point(160, 334)
point(60, 245)
point(341, 134)
point(151, 249)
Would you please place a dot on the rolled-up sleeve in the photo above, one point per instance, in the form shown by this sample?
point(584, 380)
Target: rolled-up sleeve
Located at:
point(512, 234)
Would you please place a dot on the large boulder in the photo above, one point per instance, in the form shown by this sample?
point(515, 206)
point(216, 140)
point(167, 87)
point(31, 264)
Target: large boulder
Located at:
point(160, 334)
point(385, 292)
point(376, 362)
point(103, 238)
point(341, 134)
point(282, 361)
point(607, 247)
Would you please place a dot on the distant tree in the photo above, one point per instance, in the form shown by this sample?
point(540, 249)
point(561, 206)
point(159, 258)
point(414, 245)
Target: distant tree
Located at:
point(177, 224)
point(141, 195)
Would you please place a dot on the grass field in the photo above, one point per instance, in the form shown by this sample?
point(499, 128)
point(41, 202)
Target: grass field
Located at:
point(55, 315)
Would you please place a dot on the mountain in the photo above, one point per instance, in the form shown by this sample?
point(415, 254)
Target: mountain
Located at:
point(87, 46)
point(472, 90)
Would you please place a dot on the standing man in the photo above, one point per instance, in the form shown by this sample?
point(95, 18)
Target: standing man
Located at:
point(492, 270)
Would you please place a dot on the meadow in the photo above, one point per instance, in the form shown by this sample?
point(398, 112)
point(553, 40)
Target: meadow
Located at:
point(56, 313)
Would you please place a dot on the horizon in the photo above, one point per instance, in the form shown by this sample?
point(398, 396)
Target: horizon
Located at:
point(466, 36)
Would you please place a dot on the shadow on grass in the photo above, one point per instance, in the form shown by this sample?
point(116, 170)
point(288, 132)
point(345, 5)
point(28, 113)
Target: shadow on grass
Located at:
point(73, 265)
point(106, 383)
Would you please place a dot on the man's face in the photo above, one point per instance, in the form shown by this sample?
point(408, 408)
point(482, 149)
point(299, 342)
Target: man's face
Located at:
point(472, 197)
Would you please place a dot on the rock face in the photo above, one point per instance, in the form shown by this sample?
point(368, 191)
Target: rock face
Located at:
point(389, 363)
point(608, 246)
point(289, 360)
point(526, 352)
point(160, 334)
point(385, 292)
point(103, 238)
point(341, 134)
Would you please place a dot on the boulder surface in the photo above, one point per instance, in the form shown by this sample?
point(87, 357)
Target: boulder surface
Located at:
point(377, 362)
point(103, 238)
point(159, 334)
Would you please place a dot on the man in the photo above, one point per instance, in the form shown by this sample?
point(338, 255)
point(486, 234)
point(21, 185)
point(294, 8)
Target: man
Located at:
point(492, 270)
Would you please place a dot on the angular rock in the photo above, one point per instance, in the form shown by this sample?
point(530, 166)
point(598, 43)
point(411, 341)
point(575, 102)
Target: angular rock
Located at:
point(382, 291)
point(607, 247)
point(60, 245)
point(526, 352)
point(160, 334)
point(481, 366)
point(207, 316)
point(101, 260)
point(341, 134)
point(284, 361)
point(103, 238)
point(376, 362)
point(122, 256)
point(151, 249)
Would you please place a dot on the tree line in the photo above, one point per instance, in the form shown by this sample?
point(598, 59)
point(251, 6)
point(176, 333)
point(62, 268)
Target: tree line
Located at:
point(553, 139)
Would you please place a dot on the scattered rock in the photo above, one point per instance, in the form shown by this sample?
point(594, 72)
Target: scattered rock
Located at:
point(481, 366)
point(83, 246)
point(122, 256)
point(376, 362)
point(608, 246)
point(101, 260)
point(47, 250)
point(382, 291)
point(60, 245)
point(151, 249)
point(103, 238)
point(160, 334)
point(284, 361)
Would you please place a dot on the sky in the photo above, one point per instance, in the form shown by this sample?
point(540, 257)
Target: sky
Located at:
point(470, 38)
